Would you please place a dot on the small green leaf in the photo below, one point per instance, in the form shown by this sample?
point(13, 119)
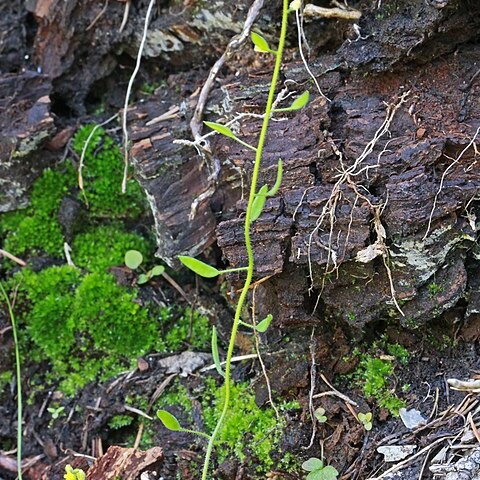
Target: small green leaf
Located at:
point(329, 473)
point(215, 355)
point(261, 45)
point(200, 268)
point(169, 421)
point(133, 259)
point(312, 464)
point(320, 415)
point(218, 127)
point(264, 324)
point(259, 203)
point(295, 5)
point(301, 101)
point(366, 419)
point(143, 278)
point(278, 181)
point(157, 270)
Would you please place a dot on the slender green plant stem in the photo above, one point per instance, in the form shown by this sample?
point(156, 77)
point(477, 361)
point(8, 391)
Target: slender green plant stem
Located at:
point(195, 432)
point(232, 270)
point(248, 243)
point(19, 382)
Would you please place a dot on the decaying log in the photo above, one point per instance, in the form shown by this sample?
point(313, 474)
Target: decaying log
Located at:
point(126, 463)
point(25, 123)
point(419, 179)
point(13, 33)
point(80, 42)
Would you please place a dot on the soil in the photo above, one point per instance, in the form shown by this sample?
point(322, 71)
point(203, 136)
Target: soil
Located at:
point(64, 64)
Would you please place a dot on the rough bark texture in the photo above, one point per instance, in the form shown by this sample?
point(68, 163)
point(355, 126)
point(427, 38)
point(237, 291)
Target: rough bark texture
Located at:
point(425, 48)
point(25, 123)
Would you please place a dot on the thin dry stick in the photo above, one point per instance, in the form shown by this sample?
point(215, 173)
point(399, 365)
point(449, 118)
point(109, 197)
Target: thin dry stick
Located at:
point(13, 258)
point(260, 359)
point(334, 391)
point(126, 12)
point(313, 380)
point(400, 465)
point(315, 11)
point(129, 90)
point(445, 173)
point(300, 49)
point(196, 122)
point(97, 18)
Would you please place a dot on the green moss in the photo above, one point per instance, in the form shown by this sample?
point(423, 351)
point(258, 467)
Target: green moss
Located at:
point(102, 177)
point(115, 322)
point(243, 416)
point(375, 372)
point(399, 352)
point(36, 229)
point(177, 395)
point(5, 379)
point(120, 421)
point(103, 247)
point(86, 325)
point(183, 328)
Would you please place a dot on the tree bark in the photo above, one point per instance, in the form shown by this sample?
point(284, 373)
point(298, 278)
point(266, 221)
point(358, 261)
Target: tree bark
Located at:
point(398, 223)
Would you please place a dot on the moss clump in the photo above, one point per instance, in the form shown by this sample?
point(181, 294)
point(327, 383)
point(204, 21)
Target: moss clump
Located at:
point(103, 247)
point(36, 229)
point(243, 416)
point(182, 328)
point(375, 372)
point(90, 328)
point(102, 177)
point(86, 325)
point(120, 421)
point(5, 379)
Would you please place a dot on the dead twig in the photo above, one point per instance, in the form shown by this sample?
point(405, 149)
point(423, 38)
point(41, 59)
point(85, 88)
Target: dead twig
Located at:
point(442, 180)
point(236, 42)
point(126, 12)
point(98, 16)
point(13, 258)
point(260, 359)
point(129, 90)
point(340, 13)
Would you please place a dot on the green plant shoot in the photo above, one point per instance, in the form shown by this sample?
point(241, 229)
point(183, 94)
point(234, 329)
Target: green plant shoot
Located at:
point(19, 380)
point(256, 203)
point(318, 471)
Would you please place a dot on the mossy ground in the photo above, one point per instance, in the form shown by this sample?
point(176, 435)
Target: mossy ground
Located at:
point(78, 317)
point(375, 373)
point(250, 433)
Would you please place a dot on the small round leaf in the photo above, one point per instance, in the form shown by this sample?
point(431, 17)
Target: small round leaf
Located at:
point(330, 473)
point(157, 270)
point(169, 421)
point(320, 415)
point(133, 259)
point(142, 278)
point(295, 5)
point(312, 464)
